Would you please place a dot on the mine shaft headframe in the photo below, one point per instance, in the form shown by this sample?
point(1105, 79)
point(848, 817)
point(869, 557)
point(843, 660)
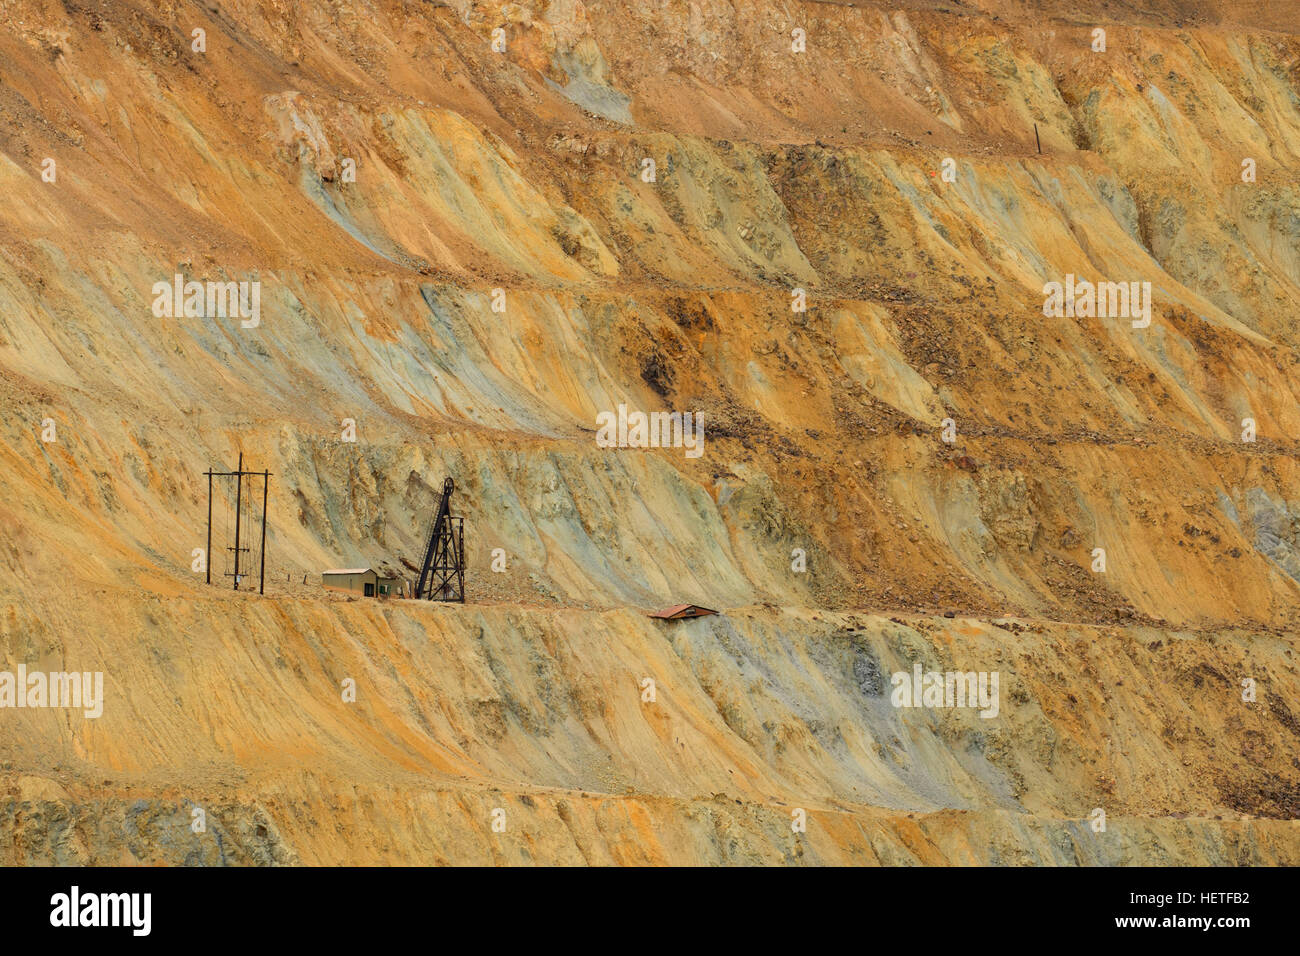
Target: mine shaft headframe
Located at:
point(442, 573)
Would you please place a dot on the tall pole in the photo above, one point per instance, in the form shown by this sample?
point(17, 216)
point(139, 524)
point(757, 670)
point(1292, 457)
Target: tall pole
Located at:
point(207, 555)
point(239, 487)
point(261, 579)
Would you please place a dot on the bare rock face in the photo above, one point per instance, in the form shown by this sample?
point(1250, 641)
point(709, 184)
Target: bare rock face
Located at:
point(1000, 582)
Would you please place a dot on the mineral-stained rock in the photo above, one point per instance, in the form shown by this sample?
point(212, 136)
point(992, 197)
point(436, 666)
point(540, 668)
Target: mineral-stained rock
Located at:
point(835, 259)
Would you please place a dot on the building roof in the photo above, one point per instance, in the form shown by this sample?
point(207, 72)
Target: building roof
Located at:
point(679, 611)
point(377, 572)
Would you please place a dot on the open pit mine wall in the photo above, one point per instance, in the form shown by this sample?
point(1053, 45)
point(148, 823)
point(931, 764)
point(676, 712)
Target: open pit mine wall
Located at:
point(474, 228)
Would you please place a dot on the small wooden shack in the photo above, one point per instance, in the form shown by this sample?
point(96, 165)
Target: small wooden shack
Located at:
point(679, 612)
point(363, 582)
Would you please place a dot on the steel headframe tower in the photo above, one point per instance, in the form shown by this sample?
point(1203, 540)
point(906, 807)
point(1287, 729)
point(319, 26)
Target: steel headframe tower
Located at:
point(442, 574)
point(239, 474)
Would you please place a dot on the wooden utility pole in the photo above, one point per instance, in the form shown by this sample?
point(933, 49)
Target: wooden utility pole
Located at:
point(239, 488)
point(261, 553)
point(207, 555)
